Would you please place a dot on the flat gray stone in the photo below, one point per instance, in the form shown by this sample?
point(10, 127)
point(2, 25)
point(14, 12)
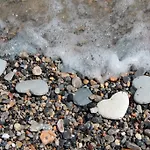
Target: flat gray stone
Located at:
point(142, 94)
point(3, 64)
point(81, 96)
point(113, 108)
point(141, 82)
point(36, 87)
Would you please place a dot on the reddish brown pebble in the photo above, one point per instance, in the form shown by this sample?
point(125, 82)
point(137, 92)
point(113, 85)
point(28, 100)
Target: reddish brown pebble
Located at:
point(47, 137)
point(113, 79)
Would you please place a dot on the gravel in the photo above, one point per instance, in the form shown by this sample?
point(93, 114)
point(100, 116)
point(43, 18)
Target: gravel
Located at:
point(60, 116)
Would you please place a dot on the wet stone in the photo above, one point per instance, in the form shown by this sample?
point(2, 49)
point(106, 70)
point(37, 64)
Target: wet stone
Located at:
point(3, 64)
point(9, 76)
point(109, 138)
point(17, 126)
point(66, 135)
point(142, 94)
point(36, 87)
point(81, 96)
point(139, 72)
point(112, 131)
point(5, 136)
point(70, 97)
point(76, 82)
point(133, 146)
point(147, 132)
point(113, 108)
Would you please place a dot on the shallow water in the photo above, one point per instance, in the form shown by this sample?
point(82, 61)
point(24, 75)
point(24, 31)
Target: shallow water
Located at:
point(97, 38)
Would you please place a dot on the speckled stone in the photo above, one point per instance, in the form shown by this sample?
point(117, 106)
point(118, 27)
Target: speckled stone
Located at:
point(142, 94)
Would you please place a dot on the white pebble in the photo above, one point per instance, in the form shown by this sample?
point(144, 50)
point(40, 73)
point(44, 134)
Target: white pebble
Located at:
point(13, 145)
point(138, 136)
point(5, 136)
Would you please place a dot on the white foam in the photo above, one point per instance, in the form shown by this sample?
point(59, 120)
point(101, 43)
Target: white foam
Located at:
point(84, 40)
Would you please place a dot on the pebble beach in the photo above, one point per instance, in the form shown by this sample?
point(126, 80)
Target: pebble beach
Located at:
point(43, 108)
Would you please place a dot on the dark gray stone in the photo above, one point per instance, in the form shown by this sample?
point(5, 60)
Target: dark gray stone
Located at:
point(81, 97)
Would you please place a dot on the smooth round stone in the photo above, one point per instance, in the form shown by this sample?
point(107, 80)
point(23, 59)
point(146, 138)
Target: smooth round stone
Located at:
point(3, 64)
point(113, 108)
point(81, 96)
point(141, 81)
point(76, 82)
point(36, 87)
point(17, 126)
point(142, 94)
point(109, 138)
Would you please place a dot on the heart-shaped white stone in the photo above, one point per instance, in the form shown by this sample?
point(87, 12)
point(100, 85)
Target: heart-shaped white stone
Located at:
point(113, 108)
point(142, 94)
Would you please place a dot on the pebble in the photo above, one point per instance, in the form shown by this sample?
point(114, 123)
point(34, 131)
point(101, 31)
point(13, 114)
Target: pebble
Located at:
point(138, 136)
point(35, 126)
point(85, 81)
point(36, 87)
point(133, 146)
point(81, 96)
point(113, 108)
point(3, 64)
point(141, 82)
point(109, 138)
point(139, 72)
point(60, 125)
point(139, 108)
point(112, 131)
point(19, 144)
point(17, 126)
point(57, 90)
point(66, 134)
point(76, 82)
point(5, 136)
point(147, 132)
point(113, 79)
point(142, 94)
point(47, 136)
point(117, 142)
point(37, 71)
point(9, 76)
